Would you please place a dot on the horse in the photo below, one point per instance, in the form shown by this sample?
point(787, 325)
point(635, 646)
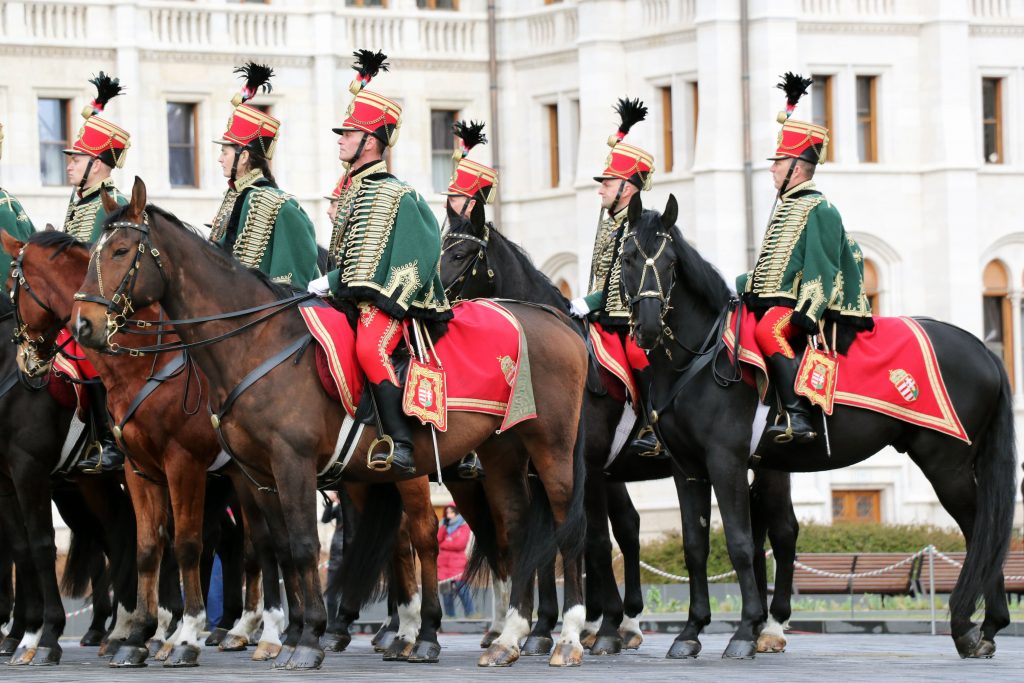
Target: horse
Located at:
point(154, 404)
point(678, 300)
point(282, 427)
point(478, 261)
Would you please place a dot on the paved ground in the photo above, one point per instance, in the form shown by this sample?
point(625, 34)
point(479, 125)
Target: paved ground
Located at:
point(846, 658)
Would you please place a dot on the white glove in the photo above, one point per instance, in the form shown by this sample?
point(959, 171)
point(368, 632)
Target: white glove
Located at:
point(320, 286)
point(578, 308)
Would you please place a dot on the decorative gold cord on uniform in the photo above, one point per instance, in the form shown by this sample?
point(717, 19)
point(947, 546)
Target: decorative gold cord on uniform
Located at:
point(785, 230)
point(253, 238)
point(80, 218)
point(370, 220)
point(220, 221)
point(605, 268)
point(345, 205)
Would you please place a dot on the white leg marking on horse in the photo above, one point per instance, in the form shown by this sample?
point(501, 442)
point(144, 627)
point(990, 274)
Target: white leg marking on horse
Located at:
point(501, 591)
point(409, 619)
point(274, 622)
point(190, 629)
point(591, 626)
point(30, 641)
point(5, 629)
point(163, 622)
point(572, 624)
point(630, 625)
point(124, 624)
point(774, 628)
point(246, 624)
point(516, 628)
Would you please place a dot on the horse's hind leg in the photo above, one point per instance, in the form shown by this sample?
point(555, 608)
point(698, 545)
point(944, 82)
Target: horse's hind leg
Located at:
point(423, 533)
point(102, 607)
point(599, 565)
point(695, 511)
point(540, 642)
point(626, 527)
point(772, 515)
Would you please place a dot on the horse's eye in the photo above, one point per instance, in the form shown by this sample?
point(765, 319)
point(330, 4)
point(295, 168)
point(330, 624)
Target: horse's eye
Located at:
point(121, 252)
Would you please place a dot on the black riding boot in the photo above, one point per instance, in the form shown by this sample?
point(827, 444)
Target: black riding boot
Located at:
point(645, 444)
point(102, 455)
point(470, 467)
point(795, 425)
point(388, 398)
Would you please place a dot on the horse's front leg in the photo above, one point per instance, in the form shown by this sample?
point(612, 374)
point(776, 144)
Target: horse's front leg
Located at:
point(695, 510)
point(772, 510)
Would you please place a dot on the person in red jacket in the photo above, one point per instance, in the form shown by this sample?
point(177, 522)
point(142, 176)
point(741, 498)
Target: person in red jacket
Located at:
point(452, 539)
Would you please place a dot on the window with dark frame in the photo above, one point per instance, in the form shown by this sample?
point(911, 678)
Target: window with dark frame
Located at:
point(867, 118)
point(695, 104)
point(366, 3)
point(442, 141)
point(437, 4)
point(997, 314)
point(553, 152)
point(992, 119)
point(667, 137)
point(54, 138)
point(182, 159)
point(821, 103)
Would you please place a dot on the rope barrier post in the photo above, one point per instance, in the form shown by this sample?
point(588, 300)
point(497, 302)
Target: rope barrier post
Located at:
point(931, 582)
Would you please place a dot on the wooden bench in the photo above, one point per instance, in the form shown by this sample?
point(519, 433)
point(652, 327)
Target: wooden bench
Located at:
point(898, 581)
point(946, 574)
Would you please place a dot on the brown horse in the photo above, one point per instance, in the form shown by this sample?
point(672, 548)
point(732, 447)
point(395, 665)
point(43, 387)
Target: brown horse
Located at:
point(283, 429)
point(171, 447)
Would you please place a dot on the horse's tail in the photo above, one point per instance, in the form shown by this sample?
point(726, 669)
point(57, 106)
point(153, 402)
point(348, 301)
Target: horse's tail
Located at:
point(370, 554)
point(78, 566)
point(995, 473)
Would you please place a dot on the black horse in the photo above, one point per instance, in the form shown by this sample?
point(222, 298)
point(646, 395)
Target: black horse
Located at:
point(477, 262)
point(707, 428)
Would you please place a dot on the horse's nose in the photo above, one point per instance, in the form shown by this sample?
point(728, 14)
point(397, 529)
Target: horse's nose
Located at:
point(83, 328)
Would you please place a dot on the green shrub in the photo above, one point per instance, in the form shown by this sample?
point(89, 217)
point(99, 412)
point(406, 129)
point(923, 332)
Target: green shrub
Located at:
point(667, 553)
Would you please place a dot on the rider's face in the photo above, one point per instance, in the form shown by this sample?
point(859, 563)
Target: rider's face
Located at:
point(348, 143)
point(226, 159)
point(332, 210)
point(461, 205)
point(609, 188)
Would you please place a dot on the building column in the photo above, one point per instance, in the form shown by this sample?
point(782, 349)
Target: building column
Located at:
point(1015, 313)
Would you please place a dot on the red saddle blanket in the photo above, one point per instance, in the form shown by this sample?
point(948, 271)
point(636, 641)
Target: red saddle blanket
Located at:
point(610, 351)
point(483, 354)
point(891, 369)
point(68, 372)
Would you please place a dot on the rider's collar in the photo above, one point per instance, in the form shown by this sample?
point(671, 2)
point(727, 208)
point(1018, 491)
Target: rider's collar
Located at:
point(620, 216)
point(379, 166)
point(248, 179)
point(806, 185)
point(88, 193)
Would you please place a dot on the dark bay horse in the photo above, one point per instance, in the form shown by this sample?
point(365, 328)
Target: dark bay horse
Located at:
point(170, 446)
point(707, 427)
point(284, 428)
point(478, 261)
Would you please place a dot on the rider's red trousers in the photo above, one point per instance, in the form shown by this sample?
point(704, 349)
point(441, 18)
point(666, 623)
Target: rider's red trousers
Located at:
point(775, 330)
point(377, 336)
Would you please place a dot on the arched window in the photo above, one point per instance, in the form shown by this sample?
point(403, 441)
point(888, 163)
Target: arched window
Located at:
point(998, 316)
point(871, 285)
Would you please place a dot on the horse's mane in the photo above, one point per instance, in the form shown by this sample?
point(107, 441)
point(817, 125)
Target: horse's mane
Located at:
point(525, 261)
point(699, 275)
point(279, 290)
point(52, 238)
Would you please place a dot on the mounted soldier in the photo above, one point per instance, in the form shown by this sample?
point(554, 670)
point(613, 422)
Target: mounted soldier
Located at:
point(14, 220)
point(101, 146)
point(257, 222)
point(628, 170)
point(387, 244)
point(809, 277)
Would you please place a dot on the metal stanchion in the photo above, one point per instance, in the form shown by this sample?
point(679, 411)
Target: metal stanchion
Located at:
point(931, 582)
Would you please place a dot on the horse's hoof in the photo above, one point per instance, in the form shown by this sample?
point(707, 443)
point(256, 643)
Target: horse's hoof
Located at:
point(740, 649)
point(217, 636)
point(129, 657)
point(683, 649)
point(537, 646)
point(499, 655)
point(23, 656)
point(47, 656)
point(182, 656)
point(164, 652)
point(968, 643)
point(8, 646)
point(489, 638)
point(985, 650)
point(383, 639)
point(112, 645)
point(631, 640)
point(588, 639)
point(154, 645)
point(398, 650)
point(305, 658)
point(92, 638)
point(566, 654)
point(335, 642)
point(607, 645)
point(265, 651)
point(233, 643)
point(424, 652)
point(283, 656)
point(770, 643)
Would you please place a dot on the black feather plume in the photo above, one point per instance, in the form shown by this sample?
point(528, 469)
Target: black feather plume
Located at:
point(369, 63)
point(471, 134)
point(256, 76)
point(107, 88)
point(630, 112)
point(795, 86)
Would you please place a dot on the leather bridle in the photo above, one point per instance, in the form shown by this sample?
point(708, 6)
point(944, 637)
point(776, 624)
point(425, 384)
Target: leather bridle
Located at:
point(470, 268)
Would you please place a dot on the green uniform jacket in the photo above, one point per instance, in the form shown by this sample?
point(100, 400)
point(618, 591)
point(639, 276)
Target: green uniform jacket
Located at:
point(85, 217)
point(15, 221)
point(808, 263)
point(265, 228)
point(388, 247)
point(605, 300)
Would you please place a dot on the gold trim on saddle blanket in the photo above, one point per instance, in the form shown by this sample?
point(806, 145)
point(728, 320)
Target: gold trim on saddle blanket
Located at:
point(323, 337)
point(608, 362)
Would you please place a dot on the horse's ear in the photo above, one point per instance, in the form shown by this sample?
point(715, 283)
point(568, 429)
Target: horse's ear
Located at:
point(636, 207)
point(477, 218)
point(11, 244)
point(138, 203)
point(108, 201)
point(50, 228)
point(668, 218)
